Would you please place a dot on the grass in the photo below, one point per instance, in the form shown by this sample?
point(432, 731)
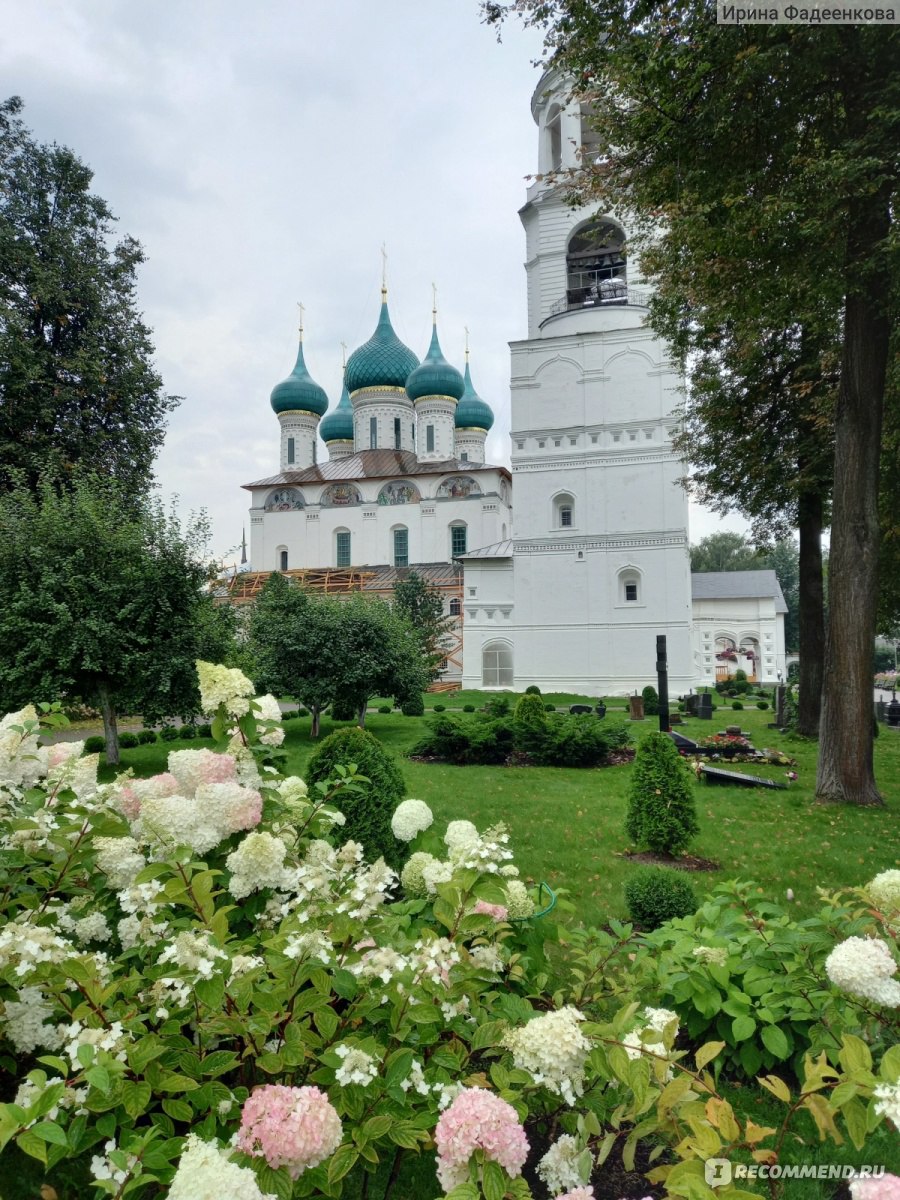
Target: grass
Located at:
point(567, 825)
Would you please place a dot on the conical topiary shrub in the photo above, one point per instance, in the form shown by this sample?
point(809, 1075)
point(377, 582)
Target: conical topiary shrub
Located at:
point(530, 723)
point(368, 811)
point(661, 813)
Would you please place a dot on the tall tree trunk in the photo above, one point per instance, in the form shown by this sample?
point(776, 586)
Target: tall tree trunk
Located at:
point(811, 613)
point(315, 713)
point(846, 771)
point(110, 728)
point(362, 714)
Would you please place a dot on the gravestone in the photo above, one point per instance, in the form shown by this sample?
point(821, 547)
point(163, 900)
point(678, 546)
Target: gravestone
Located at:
point(704, 706)
point(690, 704)
point(684, 745)
point(580, 708)
point(736, 778)
point(780, 693)
point(636, 708)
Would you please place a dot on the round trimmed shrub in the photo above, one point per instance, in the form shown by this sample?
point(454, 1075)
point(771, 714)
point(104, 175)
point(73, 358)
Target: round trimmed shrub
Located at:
point(94, 744)
point(532, 690)
point(128, 741)
point(655, 895)
point(468, 708)
point(661, 813)
point(651, 701)
point(384, 708)
point(204, 730)
point(302, 712)
point(736, 705)
point(146, 737)
point(549, 708)
point(439, 708)
point(168, 733)
point(413, 706)
point(187, 732)
point(762, 704)
point(368, 811)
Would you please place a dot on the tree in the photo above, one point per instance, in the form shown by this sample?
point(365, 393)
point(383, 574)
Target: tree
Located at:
point(323, 650)
point(776, 147)
point(76, 380)
point(295, 641)
point(422, 607)
point(103, 599)
point(661, 812)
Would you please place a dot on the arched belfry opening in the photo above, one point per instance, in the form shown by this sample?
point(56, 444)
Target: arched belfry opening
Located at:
point(595, 265)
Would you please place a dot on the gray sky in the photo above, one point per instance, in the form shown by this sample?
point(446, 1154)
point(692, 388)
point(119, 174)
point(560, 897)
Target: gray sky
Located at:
point(262, 154)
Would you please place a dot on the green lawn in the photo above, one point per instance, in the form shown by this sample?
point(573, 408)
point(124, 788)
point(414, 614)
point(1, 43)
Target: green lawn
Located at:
point(568, 825)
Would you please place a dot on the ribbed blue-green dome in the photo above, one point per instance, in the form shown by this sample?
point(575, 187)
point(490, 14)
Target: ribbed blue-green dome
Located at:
point(435, 377)
point(338, 425)
point(472, 412)
point(383, 361)
point(299, 391)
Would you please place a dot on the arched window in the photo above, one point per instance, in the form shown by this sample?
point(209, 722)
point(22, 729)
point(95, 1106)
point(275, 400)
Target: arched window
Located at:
point(401, 546)
point(563, 511)
point(459, 536)
point(342, 548)
point(595, 265)
point(554, 137)
point(291, 446)
point(630, 586)
point(282, 560)
point(497, 665)
point(455, 607)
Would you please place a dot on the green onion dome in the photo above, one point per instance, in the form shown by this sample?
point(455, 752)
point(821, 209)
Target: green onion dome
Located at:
point(383, 361)
point(435, 377)
point(299, 391)
point(338, 425)
point(472, 412)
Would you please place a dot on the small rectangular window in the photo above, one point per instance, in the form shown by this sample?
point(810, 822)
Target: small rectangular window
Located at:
point(343, 549)
point(565, 517)
point(290, 450)
point(458, 540)
point(594, 438)
point(631, 592)
point(412, 433)
point(464, 456)
point(429, 439)
point(401, 547)
point(315, 452)
point(557, 441)
point(520, 445)
point(541, 444)
point(396, 433)
point(373, 433)
point(284, 560)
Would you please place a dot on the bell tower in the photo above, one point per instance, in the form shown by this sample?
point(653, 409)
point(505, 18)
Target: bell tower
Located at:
point(600, 545)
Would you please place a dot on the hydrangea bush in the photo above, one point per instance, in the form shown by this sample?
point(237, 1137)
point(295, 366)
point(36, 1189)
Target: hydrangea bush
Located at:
point(207, 991)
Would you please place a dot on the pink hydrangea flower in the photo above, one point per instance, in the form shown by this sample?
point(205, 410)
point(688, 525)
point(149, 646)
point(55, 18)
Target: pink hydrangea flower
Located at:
point(579, 1193)
point(498, 911)
point(132, 794)
point(290, 1127)
point(478, 1120)
point(886, 1187)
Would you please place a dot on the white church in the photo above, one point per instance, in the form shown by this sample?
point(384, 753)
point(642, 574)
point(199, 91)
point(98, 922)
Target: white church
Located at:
point(562, 571)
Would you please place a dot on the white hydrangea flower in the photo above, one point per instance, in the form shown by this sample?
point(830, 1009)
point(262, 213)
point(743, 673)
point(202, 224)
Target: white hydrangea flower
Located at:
point(309, 945)
point(380, 962)
point(434, 958)
point(194, 952)
point(553, 1050)
point(205, 1170)
point(269, 710)
point(885, 890)
point(224, 685)
point(715, 955)
point(647, 1040)
point(103, 1167)
point(559, 1166)
point(416, 1079)
point(357, 1066)
point(111, 1038)
point(660, 1019)
point(22, 761)
point(486, 958)
point(519, 904)
point(26, 1020)
point(435, 872)
point(28, 945)
point(258, 862)
point(412, 875)
point(887, 1102)
point(120, 860)
point(242, 963)
point(411, 817)
point(864, 967)
point(459, 834)
point(293, 792)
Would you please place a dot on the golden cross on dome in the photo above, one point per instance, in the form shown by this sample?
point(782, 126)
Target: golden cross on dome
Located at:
point(383, 267)
point(302, 311)
point(434, 304)
point(344, 355)
point(466, 328)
